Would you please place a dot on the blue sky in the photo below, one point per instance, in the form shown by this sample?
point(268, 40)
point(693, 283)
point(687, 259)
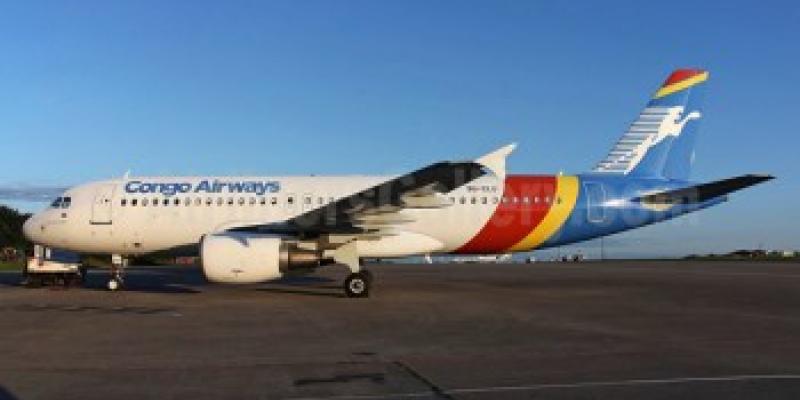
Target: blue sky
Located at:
point(92, 89)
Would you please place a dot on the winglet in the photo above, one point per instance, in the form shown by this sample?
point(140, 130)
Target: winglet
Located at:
point(496, 160)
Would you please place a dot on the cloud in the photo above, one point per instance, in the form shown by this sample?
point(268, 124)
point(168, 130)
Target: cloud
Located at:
point(33, 194)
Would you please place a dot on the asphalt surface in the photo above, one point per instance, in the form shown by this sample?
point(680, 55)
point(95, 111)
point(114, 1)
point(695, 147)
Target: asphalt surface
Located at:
point(615, 330)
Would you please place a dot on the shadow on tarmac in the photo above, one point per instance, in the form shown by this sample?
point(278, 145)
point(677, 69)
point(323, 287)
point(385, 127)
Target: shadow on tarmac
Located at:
point(317, 291)
point(10, 278)
point(186, 280)
point(5, 394)
point(304, 285)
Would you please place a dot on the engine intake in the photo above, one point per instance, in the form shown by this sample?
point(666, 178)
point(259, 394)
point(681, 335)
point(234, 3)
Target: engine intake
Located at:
point(234, 257)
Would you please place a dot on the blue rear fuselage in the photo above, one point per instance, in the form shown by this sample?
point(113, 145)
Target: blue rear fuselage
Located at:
point(608, 204)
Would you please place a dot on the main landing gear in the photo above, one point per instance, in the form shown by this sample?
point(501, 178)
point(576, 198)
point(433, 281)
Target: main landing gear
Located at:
point(357, 284)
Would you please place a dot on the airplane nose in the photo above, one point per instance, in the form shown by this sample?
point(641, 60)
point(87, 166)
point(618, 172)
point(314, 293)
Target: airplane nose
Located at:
point(29, 229)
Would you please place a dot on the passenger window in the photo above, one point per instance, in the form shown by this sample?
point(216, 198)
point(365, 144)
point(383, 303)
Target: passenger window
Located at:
point(252, 201)
point(155, 202)
point(220, 201)
point(230, 201)
point(452, 200)
point(526, 200)
point(515, 199)
point(66, 202)
point(144, 202)
point(209, 201)
point(133, 202)
point(321, 201)
point(307, 200)
point(262, 201)
point(166, 202)
point(123, 202)
point(473, 200)
point(536, 199)
point(56, 203)
point(462, 200)
point(290, 200)
point(241, 201)
point(484, 200)
point(495, 200)
point(547, 199)
point(273, 201)
point(187, 201)
point(505, 199)
point(330, 199)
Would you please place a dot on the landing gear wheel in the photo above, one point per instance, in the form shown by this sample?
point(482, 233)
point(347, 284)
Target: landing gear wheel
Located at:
point(357, 284)
point(114, 284)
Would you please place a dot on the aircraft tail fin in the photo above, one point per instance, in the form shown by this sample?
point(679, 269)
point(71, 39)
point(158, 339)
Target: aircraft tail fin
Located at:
point(660, 142)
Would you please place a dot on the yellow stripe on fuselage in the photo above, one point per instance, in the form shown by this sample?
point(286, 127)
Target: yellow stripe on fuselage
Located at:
point(678, 86)
point(566, 196)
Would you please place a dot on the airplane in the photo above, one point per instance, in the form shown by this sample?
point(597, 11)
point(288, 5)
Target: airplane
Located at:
point(257, 229)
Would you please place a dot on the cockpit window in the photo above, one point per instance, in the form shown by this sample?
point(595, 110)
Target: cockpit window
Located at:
point(61, 202)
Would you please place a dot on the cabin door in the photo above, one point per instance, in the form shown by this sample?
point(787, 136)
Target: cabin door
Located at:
point(595, 199)
point(101, 208)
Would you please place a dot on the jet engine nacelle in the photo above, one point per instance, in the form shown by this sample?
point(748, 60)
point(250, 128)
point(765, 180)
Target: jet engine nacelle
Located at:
point(233, 257)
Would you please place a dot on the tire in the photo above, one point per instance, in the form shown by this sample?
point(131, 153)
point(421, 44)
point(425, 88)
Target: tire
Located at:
point(114, 285)
point(357, 285)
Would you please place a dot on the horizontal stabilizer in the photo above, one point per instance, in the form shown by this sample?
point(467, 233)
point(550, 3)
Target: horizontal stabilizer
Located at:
point(704, 192)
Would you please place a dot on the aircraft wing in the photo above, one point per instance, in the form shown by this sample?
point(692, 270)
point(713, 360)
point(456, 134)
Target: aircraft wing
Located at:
point(371, 210)
point(703, 192)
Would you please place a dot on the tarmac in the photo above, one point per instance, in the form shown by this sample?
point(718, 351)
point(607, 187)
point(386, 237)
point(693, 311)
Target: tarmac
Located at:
point(592, 330)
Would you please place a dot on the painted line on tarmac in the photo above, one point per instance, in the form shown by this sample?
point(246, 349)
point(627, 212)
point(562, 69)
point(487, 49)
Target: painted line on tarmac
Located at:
point(677, 271)
point(630, 382)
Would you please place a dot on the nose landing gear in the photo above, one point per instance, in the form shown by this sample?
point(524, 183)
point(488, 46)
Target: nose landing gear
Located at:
point(118, 264)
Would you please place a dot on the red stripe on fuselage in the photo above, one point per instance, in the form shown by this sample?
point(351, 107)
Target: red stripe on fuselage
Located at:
point(513, 220)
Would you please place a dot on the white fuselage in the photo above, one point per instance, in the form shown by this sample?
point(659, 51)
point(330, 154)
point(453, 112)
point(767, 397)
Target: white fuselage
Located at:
point(156, 214)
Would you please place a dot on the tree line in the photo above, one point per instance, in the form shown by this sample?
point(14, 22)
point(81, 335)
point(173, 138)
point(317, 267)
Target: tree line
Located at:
point(11, 222)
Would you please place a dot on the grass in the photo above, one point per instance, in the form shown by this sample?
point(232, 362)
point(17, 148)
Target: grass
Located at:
point(10, 266)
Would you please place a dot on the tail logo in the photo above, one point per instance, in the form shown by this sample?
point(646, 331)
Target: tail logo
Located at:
point(653, 126)
point(676, 127)
point(681, 80)
point(646, 148)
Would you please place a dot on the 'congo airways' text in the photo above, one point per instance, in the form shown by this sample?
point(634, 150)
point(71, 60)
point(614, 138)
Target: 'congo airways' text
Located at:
point(204, 186)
